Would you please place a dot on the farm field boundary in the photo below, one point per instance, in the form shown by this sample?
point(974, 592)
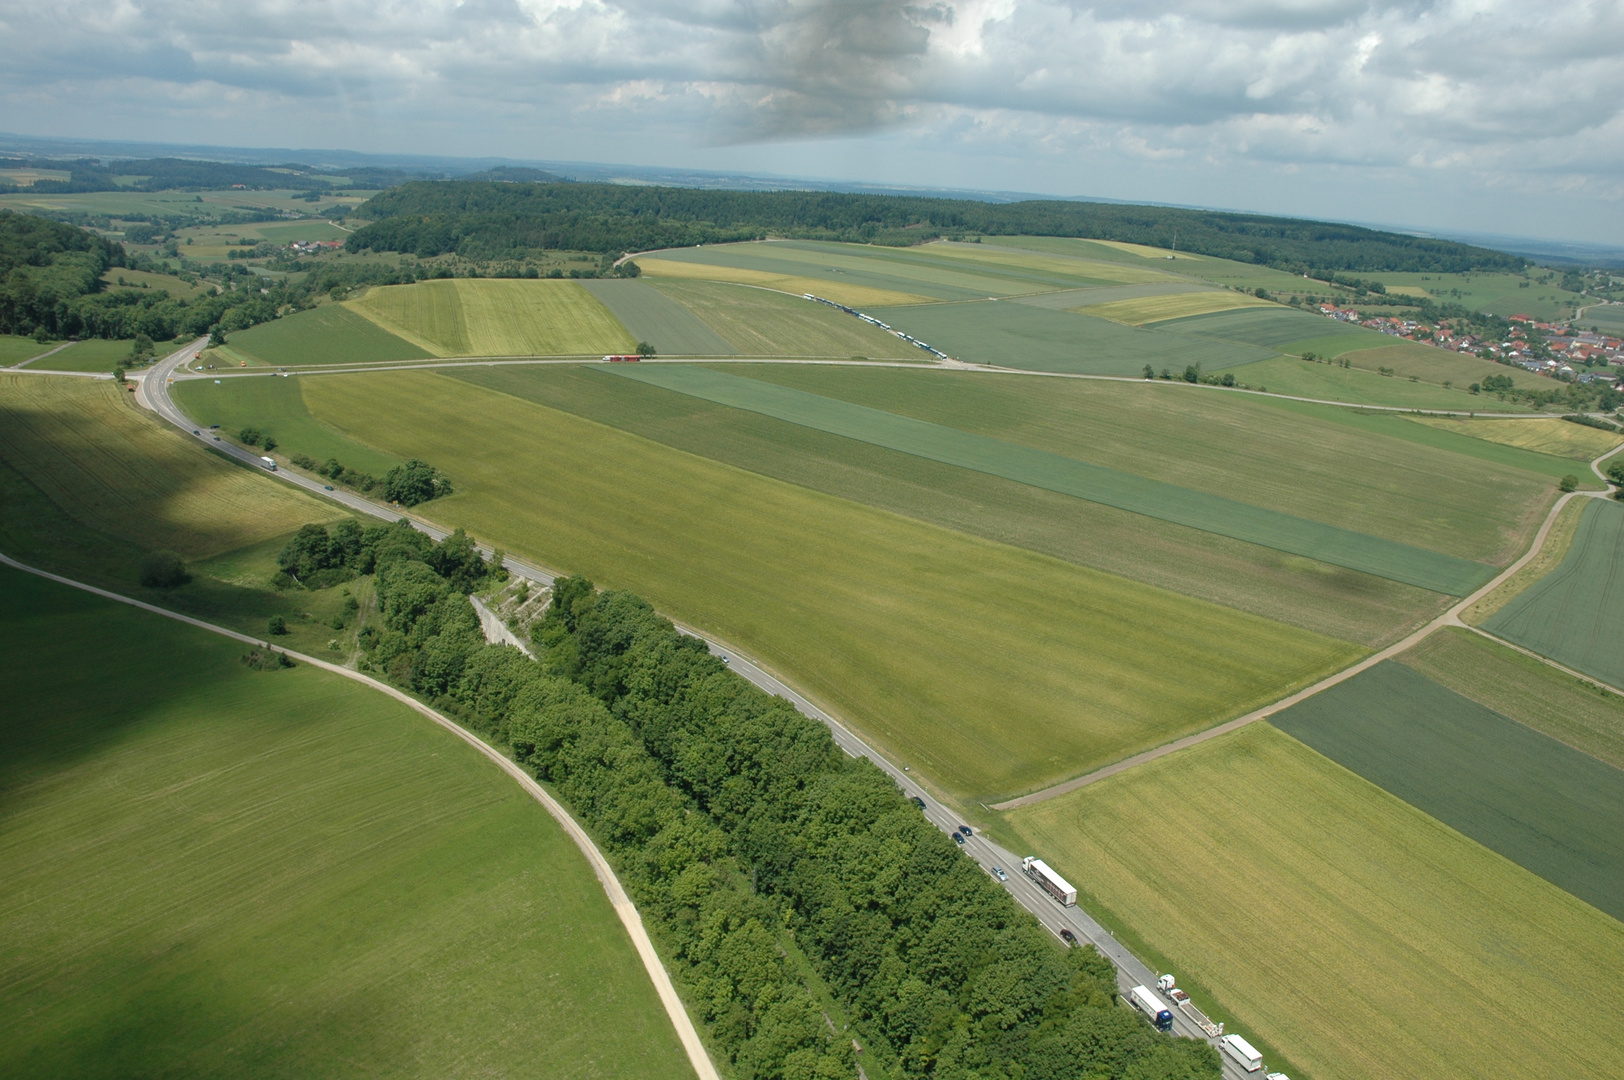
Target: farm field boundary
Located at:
point(496, 317)
point(858, 293)
point(329, 334)
point(1554, 437)
point(1539, 802)
point(1075, 299)
point(624, 909)
point(1138, 312)
point(1211, 513)
point(652, 316)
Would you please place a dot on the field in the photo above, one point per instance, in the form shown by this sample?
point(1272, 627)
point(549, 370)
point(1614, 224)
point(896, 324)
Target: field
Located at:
point(1501, 294)
point(143, 204)
point(142, 279)
point(486, 317)
point(1539, 802)
point(14, 349)
point(1181, 505)
point(1225, 444)
point(1316, 596)
point(922, 636)
point(1203, 267)
point(1359, 386)
point(276, 407)
point(251, 874)
point(329, 334)
point(92, 354)
point(1575, 615)
point(1282, 329)
point(1429, 364)
point(650, 315)
point(1040, 269)
point(1018, 335)
point(1179, 305)
point(1572, 710)
point(756, 322)
point(1558, 542)
point(859, 296)
point(1554, 436)
point(1608, 318)
point(84, 445)
point(1349, 931)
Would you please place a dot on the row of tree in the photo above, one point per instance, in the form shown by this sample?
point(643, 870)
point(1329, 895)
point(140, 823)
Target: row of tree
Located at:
point(814, 919)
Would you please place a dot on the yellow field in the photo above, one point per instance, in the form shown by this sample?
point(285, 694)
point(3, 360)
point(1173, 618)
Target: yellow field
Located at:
point(1344, 928)
point(1144, 251)
point(496, 317)
point(1545, 435)
point(851, 295)
point(1150, 309)
point(1060, 264)
point(89, 448)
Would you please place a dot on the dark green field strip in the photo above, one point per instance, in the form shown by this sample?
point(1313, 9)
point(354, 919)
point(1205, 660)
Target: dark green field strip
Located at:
point(1107, 294)
point(1019, 335)
point(1542, 804)
point(1268, 327)
point(330, 334)
point(1053, 472)
point(1575, 614)
point(654, 317)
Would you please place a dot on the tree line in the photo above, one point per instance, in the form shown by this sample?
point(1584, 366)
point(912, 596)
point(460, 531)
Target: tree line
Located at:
point(484, 221)
point(813, 919)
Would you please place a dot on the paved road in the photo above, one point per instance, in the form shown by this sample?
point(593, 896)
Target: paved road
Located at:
point(154, 394)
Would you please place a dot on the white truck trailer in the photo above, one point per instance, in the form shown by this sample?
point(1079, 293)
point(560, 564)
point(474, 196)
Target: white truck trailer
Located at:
point(269, 463)
point(1242, 1053)
point(1148, 1003)
point(1049, 881)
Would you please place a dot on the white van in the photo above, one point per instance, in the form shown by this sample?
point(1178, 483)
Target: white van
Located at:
point(1243, 1053)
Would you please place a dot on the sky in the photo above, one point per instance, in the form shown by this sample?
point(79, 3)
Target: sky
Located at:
point(1481, 116)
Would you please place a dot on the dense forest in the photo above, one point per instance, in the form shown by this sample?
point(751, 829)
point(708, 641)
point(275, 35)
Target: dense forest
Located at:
point(813, 919)
point(486, 221)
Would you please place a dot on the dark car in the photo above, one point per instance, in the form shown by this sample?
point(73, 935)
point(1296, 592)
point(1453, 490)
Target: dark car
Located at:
point(958, 838)
point(917, 801)
point(966, 830)
point(327, 487)
point(1067, 936)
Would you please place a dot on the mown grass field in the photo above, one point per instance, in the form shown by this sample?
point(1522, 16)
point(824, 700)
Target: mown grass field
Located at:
point(1069, 476)
point(1279, 328)
point(276, 407)
point(1555, 436)
point(496, 317)
point(1159, 308)
point(215, 871)
point(1082, 269)
point(1430, 364)
point(329, 334)
point(92, 354)
point(988, 668)
point(1608, 318)
point(142, 279)
point(14, 349)
point(1575, 614)
point(1229, 444)
point(1202, 267)
point(650, 315)
point(1577, 712)
point(1316, 596)
point(89, 449)
point(853, 295)
point(1359, 386)
point(756, 322)
point(1502, 294)
point(1335, 924)
point(1539, 802)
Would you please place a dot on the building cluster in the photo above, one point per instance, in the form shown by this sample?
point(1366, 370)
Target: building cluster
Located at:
point(314, 247)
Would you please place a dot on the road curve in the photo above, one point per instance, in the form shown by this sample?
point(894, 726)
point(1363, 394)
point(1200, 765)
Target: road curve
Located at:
point(622, 903)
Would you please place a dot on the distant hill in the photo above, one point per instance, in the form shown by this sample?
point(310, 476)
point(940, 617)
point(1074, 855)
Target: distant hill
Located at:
point(185, 174)
point(515, 174)
point(482, 219)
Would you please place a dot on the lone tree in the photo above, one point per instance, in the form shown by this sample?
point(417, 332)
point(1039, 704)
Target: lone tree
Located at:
point(163, 570)
point(644, 349)
point(414, 482)
point(1569, 483)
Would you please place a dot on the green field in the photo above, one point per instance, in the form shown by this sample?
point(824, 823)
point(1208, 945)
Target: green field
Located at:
point(843, 292)
point(1316, 596)
point(1539, 802)
point(1358, 386)
point(330, 334)
point(1577, 712)
point(142, 279)
point(1608, 318)
point(757, 322)
point(650, 315)
point(1138, 312)
point(1069, 476)
point(1497, 293)
point(1575, 615)
point(496, 317)
point(1019, 335)
point(92, 354)
point(14, 349)
point(1280, 329)
point(1203, 267)
point(1407, 359)
point(1555, 436)
point(924, 638)
point(1258, 450)
point(1335, 924)
point(216, 871)
point(276, 407)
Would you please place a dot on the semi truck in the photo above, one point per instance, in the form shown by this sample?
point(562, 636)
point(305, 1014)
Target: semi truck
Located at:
point(1148, 1003)
point(1049, 881)
point(1242, 1053)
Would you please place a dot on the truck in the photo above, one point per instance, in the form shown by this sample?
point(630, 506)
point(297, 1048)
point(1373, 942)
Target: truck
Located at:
point(1148, 1003)
point(1049, 881)
point(621, 359)
point(1242, 1053)
point(269, 463)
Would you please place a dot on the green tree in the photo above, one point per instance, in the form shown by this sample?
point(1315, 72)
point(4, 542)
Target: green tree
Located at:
point(1569, 483)
point(276, 625)
point(414, 482)
point(645, 349)
point(163, 570)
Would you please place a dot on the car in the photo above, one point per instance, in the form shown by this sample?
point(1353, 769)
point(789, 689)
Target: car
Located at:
point(958, 838)
point(217, 438)
point(214, 427)
point(917, 801)
point(966, 830)
point(1067, 936)
point(998, 872)
point(327, 487)
point(196, 432)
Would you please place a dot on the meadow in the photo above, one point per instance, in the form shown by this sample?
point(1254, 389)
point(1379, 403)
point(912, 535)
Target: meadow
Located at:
point(1316, 596)
point(841, 292)
point(91, 354)
point(1574, 711)
point(1539, 802)
point(1575, 614)
point(650, 315)
point(1608, 318)
point(1280, 329)
point(1501, 294)
point(496, 317)
point(758, 322)
point(226, 872)
point(1239, 275)
point(921, 636)
point(1555, 436)
point(1442, 496)
point(276, 407)
point(1054, 472)
point(329, 334)
point(1362, 386)
point(15, 349)
point(1411, 359)
point(1138, 312)
point(121, 277)
point(1350, 932)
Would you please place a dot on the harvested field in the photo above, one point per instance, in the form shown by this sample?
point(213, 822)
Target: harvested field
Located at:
point(329, 334)
point(650, 315)
point(1159, 308)
point(1554, 436)
point(1321, 916)
point(850, 294)
point(757, 322)
point(1539, 802)
point(496, 317)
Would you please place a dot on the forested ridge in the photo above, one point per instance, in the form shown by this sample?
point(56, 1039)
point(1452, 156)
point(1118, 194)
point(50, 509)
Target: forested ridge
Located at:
point(805, 907)
point(485, 220)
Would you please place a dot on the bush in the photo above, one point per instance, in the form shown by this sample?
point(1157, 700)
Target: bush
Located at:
point(1569, 483)
point(277, 625)
point(414, 482)
point(163, 570)
point(250, 436)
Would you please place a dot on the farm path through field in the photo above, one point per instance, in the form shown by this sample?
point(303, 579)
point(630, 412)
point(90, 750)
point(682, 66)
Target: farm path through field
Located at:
point(622, 903)
point(41, 356)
